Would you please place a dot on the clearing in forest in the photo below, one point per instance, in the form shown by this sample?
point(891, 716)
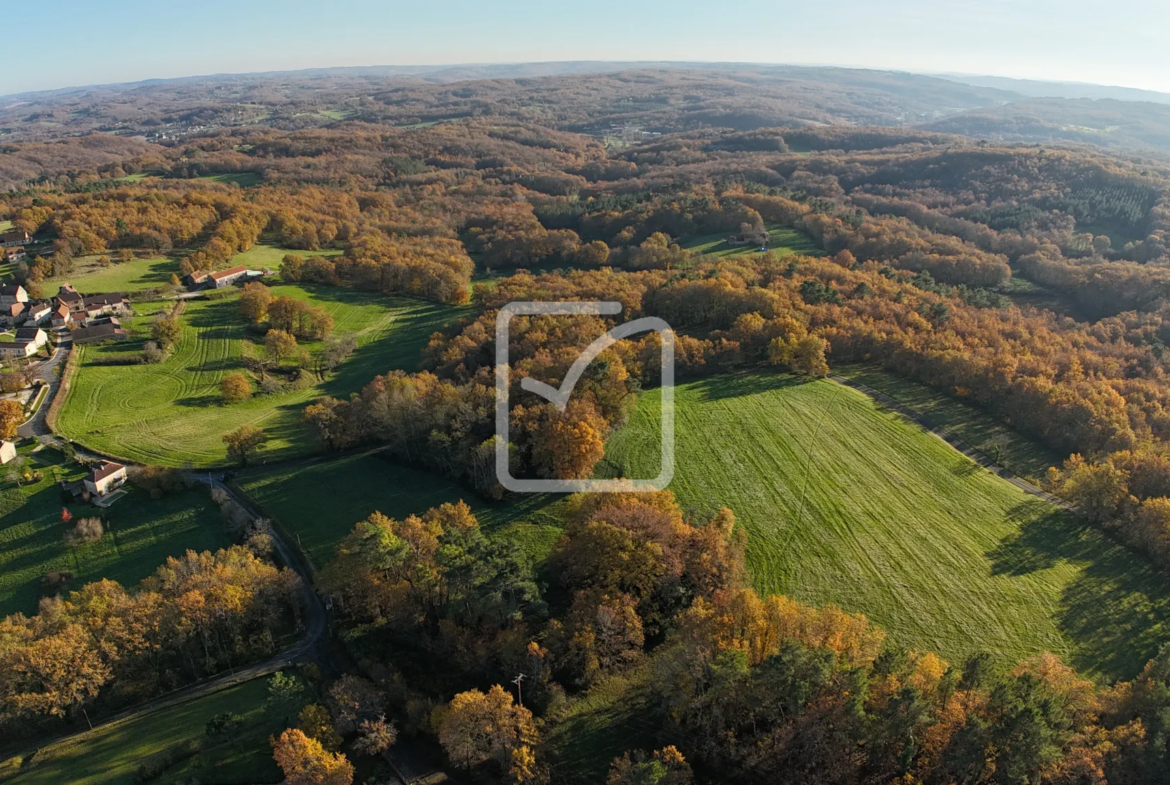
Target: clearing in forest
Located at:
point(170, 414)
point(848, 503)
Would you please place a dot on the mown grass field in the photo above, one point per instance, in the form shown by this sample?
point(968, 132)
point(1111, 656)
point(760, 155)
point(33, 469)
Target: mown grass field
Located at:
point(850, 504)
point(783, 241)
point(319, 502)
point(243, 179)
point(170, 413)
point(140, 533)
point(263, 255)
point(89, 276)
point(111, 756)
point(1007, 447)
point(152, 272)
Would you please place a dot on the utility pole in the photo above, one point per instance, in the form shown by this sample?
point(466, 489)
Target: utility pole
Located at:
point(519, 692)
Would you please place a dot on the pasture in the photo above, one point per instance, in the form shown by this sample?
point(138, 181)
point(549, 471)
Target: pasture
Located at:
point(154, 271)
point(140, 533)
point(1007, 447)
point(847, 503)
point(263, 255)
point(783, 241)
point(171, 414)
point(319, 502)
point(242, 179)
point(90, 276)
point(111, 755)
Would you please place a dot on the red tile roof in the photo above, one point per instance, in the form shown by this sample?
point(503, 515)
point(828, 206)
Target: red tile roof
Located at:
point(221, 274)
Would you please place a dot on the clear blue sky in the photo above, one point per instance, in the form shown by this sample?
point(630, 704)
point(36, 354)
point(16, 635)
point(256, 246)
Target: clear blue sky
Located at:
point(79, 42)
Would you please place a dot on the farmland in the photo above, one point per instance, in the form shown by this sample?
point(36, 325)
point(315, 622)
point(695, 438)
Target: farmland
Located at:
point(140, 533)
point(154, 271)
point(142, 273)
point(1007, 447)
point(170, 413)
point(783, 241)
point(263, 255)
point(113, 754)
point(346, 491)
point(848, 503)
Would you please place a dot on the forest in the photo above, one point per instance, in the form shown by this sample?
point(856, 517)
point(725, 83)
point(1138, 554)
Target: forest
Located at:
point(1030, 283)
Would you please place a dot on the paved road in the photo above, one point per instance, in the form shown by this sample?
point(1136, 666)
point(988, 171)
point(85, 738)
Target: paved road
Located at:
point(307, 648)
point(36, 427)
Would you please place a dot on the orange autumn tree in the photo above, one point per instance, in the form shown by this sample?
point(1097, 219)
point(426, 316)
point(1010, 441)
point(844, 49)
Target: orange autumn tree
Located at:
point(567, 444)
point(476, 727)
point(305, 762)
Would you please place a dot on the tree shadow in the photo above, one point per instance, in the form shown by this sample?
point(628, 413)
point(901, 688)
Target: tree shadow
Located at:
point(1115, 611)
point(1044, 537)
point(737, 385)
point(965, 468)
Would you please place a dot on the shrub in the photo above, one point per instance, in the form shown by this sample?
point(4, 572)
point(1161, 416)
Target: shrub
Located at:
point(153, 353)
point(235, 387)
point(85, 530)
point(156, 765)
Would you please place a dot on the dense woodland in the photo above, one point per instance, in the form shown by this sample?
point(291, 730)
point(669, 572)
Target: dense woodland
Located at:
point(930, 246)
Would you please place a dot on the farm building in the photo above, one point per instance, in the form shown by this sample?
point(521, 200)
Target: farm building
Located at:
point(37, 312)
point(61, 316)
point(34, 335)
point(12, 314)
point(195, 280)
point(106, 477)
point(15, 254)
point(13, 238)
point(12, 293)
point(96, 333)
point(16, 350)
point(7, 451)
point(227, 277)
point(98, 304)
point(68, 297)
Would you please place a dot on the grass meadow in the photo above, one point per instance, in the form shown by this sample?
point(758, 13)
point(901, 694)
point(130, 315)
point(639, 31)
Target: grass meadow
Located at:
point(343, 492)
point(170, 414)
point(153, 272)
point(1010, 449)
point(111, 755)
point(848, 503)
point(140, 533)
point(783, 241)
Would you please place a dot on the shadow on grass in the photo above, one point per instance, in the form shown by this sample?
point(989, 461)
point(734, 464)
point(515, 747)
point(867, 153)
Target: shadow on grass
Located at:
point(713, 388)
point(1116, 611)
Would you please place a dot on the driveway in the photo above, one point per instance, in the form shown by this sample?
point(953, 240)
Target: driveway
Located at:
point(36, 427)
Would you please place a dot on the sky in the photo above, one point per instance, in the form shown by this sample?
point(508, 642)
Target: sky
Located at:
point(82, 42)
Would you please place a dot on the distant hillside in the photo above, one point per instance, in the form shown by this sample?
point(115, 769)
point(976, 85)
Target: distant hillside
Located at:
point(1104, 122)
point(1039, 89)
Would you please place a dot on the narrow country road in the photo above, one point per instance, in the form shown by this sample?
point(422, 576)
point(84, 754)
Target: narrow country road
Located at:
point(36, 427)
point(307, 648)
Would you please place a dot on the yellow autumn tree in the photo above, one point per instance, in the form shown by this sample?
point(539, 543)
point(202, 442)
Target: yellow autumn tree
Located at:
point(305, 762)
point(477, 727)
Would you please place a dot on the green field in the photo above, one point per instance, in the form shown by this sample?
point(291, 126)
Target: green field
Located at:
point(851, 504)
point(319, 502)
point(243, 179)
point(111, 756)
point(1007, 447)
point(170, 413)
point(263, 255)
point(89, 276)
point(140, 533)
point(784, 241)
